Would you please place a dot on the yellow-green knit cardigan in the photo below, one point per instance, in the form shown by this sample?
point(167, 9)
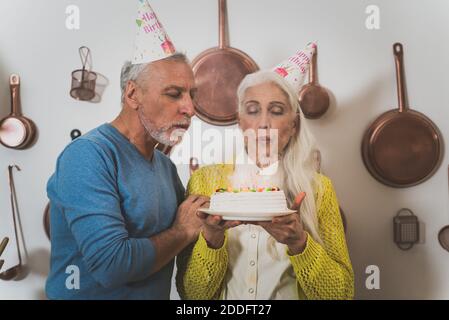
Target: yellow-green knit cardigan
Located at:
point(322, 271)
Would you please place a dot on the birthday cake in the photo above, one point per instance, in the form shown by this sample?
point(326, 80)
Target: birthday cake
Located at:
point(247, 200)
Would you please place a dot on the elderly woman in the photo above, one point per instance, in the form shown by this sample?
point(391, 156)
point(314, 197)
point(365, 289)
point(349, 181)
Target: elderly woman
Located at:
point(299, 256)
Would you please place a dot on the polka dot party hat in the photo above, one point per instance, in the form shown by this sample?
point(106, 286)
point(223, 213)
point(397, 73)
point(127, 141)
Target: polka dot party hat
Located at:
point(294, 68)
point(152, 41)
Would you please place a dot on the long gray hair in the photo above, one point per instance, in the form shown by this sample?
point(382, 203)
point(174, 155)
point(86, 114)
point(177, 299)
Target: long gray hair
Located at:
point(298, 165)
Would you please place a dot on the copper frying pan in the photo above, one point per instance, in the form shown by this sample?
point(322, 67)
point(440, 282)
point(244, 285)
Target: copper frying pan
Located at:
point(218, 73)
point(16, 131)
point(313, 98)
point(402, 147)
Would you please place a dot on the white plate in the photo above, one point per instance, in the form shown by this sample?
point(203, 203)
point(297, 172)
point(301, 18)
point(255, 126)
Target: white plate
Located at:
point(246, 215)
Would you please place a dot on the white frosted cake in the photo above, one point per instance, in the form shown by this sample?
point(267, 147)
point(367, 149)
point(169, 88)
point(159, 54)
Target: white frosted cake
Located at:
point(249, 200)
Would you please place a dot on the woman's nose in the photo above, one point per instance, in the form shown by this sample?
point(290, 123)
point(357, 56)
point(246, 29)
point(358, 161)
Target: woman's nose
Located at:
point(264, 122)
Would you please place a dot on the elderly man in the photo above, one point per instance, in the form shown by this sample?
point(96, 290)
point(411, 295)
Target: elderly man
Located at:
point(118, 214)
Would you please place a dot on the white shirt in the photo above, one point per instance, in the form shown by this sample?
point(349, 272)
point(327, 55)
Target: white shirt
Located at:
point(259, 267)
point(256, 271)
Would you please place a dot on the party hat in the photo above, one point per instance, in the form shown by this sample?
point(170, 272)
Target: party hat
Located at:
point(152, 42)
point(295, 68)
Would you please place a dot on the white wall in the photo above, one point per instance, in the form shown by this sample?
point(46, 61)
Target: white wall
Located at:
point(356, 64)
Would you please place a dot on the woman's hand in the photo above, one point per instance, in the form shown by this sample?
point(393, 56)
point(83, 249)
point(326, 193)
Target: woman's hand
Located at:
point(214, 228)
point(288, 229)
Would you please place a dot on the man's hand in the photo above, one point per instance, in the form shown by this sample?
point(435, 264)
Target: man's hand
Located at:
point(186, 218)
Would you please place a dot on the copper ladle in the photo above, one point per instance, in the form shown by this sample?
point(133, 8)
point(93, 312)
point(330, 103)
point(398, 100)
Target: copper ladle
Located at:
point(2, 248)
point(14, 271)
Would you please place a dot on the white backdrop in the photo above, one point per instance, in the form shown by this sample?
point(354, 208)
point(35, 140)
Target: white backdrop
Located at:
point(355, 64)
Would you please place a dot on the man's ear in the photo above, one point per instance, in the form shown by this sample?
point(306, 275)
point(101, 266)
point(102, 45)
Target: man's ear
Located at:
point(131, 95)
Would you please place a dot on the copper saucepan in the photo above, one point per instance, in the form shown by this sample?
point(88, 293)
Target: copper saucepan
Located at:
point(402, 147)
point(16, 131)
point(313, 98)
point(218, 73)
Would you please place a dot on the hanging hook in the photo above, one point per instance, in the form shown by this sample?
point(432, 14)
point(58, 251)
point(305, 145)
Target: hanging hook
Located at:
point(85, 55)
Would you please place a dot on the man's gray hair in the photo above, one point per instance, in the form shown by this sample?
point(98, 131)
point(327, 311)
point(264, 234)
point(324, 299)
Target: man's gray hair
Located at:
point(135, 72)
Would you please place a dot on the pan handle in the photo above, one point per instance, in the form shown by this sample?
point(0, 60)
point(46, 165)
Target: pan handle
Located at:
point(14, 85)
point(222, 24)
point(399, 62)
point(3, 244)
point(312, 67)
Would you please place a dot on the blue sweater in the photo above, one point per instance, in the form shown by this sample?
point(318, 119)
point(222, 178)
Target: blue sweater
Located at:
point(107, 200)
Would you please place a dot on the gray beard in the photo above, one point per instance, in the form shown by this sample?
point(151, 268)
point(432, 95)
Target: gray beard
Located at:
point(160, 135)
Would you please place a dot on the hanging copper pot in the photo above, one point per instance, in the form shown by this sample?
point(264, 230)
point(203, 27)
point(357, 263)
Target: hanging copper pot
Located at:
point(402, 147)
point(218, 73)
point(16, 131)
point(313, 98)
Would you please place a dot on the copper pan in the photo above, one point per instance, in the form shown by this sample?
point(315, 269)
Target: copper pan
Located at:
point(402, 147)
point(313, 98)
point(218, 73)
point(16, 125)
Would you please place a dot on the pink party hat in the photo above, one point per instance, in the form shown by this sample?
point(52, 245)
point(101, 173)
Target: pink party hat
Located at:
point(152, 41)
point(295, 68)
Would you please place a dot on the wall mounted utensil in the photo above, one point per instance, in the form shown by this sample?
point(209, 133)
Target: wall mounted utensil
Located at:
point(313, 98)
point(16, 131)
point(2, 248)
point(83, 80)
point(14, 271)
point(218, 72)
point(443, 235)
point(47, 220)
point(3, 245)
point(193, 165)
point(405, 229)
point(402, 147)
